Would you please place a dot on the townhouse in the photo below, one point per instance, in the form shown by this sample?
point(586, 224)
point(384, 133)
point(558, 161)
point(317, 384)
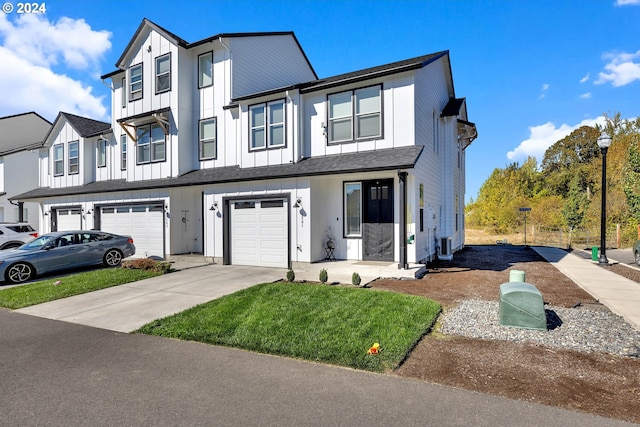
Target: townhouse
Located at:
point(234, 148)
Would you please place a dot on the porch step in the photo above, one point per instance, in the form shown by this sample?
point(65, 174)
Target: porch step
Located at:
point(190, 258)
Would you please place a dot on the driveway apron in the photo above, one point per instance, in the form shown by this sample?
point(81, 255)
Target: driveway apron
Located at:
point(127, 307)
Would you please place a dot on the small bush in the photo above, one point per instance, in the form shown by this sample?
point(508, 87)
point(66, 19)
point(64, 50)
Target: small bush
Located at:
point(291, 276)
point(148, 264)
point(323, 276)
point(355, 279)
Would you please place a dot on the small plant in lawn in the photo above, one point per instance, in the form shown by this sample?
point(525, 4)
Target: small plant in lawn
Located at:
point(323, 276)
point(355, 279)
point(291, 276)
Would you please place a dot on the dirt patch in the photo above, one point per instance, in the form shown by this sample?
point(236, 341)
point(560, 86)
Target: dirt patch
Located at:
point(596, 383)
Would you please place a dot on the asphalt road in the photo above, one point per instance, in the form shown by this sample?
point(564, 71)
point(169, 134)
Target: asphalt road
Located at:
point(54, 373)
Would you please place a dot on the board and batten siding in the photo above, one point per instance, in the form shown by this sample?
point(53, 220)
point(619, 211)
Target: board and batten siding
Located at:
point(67, 134)
point(266, 62)
point(431, 96)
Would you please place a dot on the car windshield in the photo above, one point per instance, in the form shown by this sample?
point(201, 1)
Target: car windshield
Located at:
point(37, 243)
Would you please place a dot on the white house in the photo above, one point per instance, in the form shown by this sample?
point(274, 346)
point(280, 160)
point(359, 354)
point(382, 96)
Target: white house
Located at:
point(21, 137)
point(232, 147)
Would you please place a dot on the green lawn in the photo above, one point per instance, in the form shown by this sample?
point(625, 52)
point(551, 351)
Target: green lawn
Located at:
point(75, 284)
point(329, 324)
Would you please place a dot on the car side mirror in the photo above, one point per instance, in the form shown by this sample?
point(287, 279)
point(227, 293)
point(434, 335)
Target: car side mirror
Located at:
point(49, 246)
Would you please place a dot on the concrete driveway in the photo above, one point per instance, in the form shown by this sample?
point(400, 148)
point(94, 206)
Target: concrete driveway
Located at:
point(127, 307)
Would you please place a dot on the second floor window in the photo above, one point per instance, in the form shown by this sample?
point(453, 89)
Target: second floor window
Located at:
point(73, 157)
point(355, 114)
point(123, 152)
point(124, 92)
point(135, 82)
point(205, 69)
point(151, 144)
point(58, 160)
point(163, 73)
point(102, 153)
point(267, 125)
point(207, 139)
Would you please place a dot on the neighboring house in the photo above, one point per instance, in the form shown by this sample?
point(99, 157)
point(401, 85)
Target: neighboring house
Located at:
point(232, 147)
point(21, 137)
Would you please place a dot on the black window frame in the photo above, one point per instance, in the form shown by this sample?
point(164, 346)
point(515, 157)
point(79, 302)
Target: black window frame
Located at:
point(150, 145)
point(267, 125)
point(61, 160)
point(77, 157)
point(102, 143)
point(167, 74)
point(133, 98)
point(123, 152)
point(200, 85)
point(353, 116)
point(201, 141)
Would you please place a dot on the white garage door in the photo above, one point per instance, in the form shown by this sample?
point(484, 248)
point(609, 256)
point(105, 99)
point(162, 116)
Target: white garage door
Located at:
point(144, 223)
point(259, 233)
point(69, 219)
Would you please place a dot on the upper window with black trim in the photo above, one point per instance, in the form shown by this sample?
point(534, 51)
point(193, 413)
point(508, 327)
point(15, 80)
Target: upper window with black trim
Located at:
point(163, 73)
point(58, 160)
point(102, 153)
point(151, 144)
point(74, 157)
point(205, 70)
point(355, 114)
point(207, 138)
point(135, 82)
point(266, 122)
point(123, 152)
point(124, 92)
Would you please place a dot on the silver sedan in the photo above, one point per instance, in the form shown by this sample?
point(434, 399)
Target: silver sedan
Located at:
point(63, 250)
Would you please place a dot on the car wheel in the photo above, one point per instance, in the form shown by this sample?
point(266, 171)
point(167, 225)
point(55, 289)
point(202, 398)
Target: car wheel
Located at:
point(638, 259)
point(11, 246)
point(19, 272)
point(112, 258)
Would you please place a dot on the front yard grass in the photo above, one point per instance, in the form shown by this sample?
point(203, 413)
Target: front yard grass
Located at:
point(75, 284)
point(330, 324)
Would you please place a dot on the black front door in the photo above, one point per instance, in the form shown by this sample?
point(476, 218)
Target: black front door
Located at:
point(377, 237)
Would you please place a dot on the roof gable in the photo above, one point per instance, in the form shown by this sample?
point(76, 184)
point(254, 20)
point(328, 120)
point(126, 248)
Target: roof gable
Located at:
point(22, 132)
point(84, 126)
point(143, 30)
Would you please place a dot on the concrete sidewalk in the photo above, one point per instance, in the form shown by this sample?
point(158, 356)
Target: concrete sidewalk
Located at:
point(619, 294)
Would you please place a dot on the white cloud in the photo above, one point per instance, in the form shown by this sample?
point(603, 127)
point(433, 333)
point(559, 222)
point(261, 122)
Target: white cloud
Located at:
point(35, 55)
point(544, 136)
point(545, 87)
point(586, 95)
point(585, 78)
point(621, 69)
point(627, 2)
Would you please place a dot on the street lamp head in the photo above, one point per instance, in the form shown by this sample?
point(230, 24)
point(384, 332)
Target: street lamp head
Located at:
point(604, 140)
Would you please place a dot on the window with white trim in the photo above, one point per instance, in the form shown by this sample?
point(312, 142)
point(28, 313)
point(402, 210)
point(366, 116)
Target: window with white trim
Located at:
point(58, 160)
point(267, 125)
point(135, 82)
point(123, 152)
point(163, 73)
point(74, 157)
point(352, 209)
point(102, 153)
point(205, 70)
point(151, 144)
point(355, 114)
point(207, 138)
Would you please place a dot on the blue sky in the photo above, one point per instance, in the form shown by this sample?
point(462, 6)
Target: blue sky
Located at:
point(532, 71)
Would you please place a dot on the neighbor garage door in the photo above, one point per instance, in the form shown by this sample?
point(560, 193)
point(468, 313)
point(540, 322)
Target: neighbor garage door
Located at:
point(259, 233)
point(144, 223)
point(69, 219)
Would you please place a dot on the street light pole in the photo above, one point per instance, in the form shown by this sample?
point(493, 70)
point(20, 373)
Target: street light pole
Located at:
point(604, 141)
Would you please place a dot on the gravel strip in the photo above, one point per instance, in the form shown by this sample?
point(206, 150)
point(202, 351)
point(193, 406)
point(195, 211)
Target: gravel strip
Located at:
point(586, 328)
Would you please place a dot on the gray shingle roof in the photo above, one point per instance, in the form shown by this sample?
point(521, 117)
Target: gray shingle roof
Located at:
point(366, 161)
point(86, 127)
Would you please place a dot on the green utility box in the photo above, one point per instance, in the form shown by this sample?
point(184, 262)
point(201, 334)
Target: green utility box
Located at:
point(594, 253)
point(516, 276)
point(521, 306)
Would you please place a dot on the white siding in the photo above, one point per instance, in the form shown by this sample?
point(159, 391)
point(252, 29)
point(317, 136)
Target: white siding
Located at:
point(14, 180)
point(265, 62)
point(63, 136)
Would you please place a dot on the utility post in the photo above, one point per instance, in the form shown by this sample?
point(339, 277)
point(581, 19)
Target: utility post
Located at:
point(525, 210)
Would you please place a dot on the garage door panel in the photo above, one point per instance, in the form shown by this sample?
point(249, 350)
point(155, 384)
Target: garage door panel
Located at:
point(259, 233)
point(144, 223)
point(69, 219)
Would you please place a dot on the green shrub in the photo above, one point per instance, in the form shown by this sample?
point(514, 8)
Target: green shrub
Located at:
point(291, 276)
point(355, 279)
point(323, 276)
